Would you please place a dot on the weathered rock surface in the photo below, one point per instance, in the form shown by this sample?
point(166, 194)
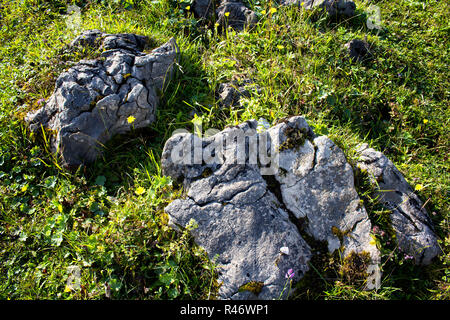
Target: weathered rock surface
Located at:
point(238, 218)
point(237, 212)
point(358, 50)
point(413, 227)
point(240, 221)
point(239, 16)
point(91, 38)
point(317, 185)
point(93, 100)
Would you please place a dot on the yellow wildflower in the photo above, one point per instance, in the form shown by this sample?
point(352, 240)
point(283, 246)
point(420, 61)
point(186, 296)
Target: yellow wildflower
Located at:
point(425, 121)
point(263, 12)
point(418, 187)
point(273, 10)
point(227, 14)
point(131, 119)
point(188, 8)
point(139, 191)
point(280, 47)
point(373, 240)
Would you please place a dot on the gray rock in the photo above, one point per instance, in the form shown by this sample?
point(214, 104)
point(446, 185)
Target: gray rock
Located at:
point(91, 38)
point(93, 100)
point(186, 157)
point(317, 185)
point(241, 224)
point(334, 8)
point(413, 227)
point(228, 198)
point(358, 50)
point(203, 8)
point(239, 16)
point(230, 93)
point(340, 8)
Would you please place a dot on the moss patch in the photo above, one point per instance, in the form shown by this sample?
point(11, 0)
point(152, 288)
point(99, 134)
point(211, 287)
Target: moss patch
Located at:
point(295, 138)
point(354, 266)
point(254, 287)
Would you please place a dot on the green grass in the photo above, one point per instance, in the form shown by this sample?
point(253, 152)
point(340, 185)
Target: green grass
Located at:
point(52, 218)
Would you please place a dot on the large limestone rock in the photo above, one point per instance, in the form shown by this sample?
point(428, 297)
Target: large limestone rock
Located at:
point(413, 227)
point(97, 99)
point(240, 217)
point(241, 222)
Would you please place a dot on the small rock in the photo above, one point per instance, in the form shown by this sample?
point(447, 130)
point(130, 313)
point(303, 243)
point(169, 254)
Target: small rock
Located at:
point(235, 14)
point(230, 93)
point(203, 8)
point(358, 50)
point(333, 8)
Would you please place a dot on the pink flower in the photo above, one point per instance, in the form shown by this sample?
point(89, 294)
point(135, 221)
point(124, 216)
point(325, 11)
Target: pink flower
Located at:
point(290, 274)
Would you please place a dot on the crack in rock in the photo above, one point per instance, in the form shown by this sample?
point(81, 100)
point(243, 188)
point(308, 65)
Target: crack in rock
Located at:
point(93, 100)
point(246, 233)
point(318, 183)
